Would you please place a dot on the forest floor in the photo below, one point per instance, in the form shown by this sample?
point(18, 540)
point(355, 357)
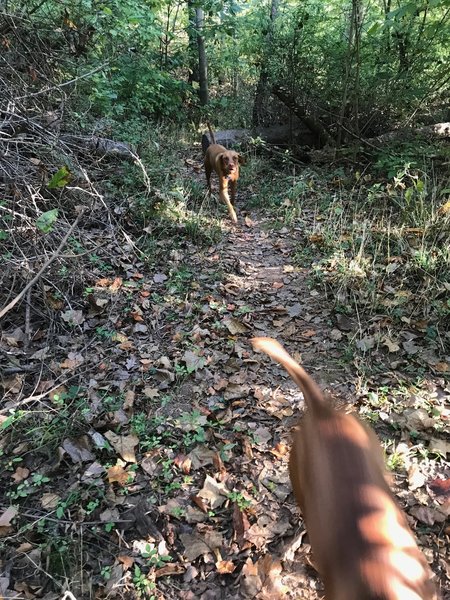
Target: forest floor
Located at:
point(162, 472)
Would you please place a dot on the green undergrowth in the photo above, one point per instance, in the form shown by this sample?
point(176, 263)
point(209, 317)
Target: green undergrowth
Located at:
point(377, 242)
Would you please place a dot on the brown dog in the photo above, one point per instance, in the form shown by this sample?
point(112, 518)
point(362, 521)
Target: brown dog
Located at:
point(226, 164)
point(360, 538)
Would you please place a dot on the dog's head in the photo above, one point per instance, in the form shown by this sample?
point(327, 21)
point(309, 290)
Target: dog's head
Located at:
point(230, 161)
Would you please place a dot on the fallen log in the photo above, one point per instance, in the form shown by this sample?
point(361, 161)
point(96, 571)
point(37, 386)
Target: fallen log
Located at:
point(278, 135)
point(99, 146)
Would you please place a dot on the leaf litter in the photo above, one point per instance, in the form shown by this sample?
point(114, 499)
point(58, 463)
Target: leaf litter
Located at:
point(171, 449)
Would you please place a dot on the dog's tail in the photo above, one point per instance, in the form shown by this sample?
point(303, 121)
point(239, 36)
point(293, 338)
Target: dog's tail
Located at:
point(312, 393)
point(211, 133)
point(205, 143)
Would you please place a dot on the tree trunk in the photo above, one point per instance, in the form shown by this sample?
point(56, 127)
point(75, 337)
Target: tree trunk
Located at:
point(202, 62)
point(262, 87)
point(192, 44)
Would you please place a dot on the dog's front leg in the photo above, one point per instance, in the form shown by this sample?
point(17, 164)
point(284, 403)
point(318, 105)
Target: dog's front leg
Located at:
point(223, 193)
point(208, 171)
point(233, 187)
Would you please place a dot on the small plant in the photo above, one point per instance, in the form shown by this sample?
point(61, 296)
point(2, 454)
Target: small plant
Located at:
point(240, 500)
point(144, 586)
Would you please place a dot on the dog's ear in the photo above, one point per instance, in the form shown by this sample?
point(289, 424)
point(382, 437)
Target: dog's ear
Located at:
point(242, 160)
point(219, 158)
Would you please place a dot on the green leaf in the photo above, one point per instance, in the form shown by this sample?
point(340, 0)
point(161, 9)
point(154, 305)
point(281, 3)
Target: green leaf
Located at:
point(45, 222)
point(60, 178)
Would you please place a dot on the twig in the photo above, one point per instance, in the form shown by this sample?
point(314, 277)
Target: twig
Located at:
point(27, 320)
point(29, 285)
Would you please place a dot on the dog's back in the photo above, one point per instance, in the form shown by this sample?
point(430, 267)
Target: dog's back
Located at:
point(360, 538)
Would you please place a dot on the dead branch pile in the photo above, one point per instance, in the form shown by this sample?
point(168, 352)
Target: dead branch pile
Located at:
point(50, 179)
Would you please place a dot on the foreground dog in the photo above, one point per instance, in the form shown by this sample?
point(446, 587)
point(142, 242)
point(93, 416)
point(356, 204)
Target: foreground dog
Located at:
point(226, 164)
point(360, 538)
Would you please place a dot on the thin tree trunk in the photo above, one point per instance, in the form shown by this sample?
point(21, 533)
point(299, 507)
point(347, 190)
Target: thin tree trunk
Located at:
point(262, 86)
point(192, 44)
point(202, 62)
point(348, 69)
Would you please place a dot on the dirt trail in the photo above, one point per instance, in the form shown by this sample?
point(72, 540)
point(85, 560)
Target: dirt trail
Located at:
point(264, 294)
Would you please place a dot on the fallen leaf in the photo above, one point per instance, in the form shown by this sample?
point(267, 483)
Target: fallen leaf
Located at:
point(118, 474)
point(411, 347)
point(234, 326)
point(441, 367)
point(427, 515)
point(159, 277)
point(8, 516)
point(216, 493)
point(366, 343)
point(439, 446)
point(170, 569)
point(127, 561)
point(123, 445)
point(20, 474)
point(197, 544)
point(78, 449)
point(73, 317)
point(224, 567)
point(336, 335)
point(49, 500)
point(390, 344)
point(262, 579)
point(441, 487)
point(192, 361)
point(416, 479)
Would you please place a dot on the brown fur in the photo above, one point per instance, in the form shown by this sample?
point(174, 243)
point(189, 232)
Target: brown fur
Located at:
point(361, 540)
point(226, 164)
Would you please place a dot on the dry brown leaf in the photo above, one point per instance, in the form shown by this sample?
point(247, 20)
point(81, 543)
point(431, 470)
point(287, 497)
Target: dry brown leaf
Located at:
point(49, 500)
point(118, 474)
point(240, 525)
point(123, 445)
point(216, 493)
point(390, 344)
point(441, 487)
point(8, 516)
point(234, 326)
point(72, 361)
point(224, 567)
point(183, 463)
point(198, 543)
point(280, 450)
point(127, 561)
point(170, 569)
point(128, 402)
point(20, 474)
point(262, 579)
point(441, 367)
